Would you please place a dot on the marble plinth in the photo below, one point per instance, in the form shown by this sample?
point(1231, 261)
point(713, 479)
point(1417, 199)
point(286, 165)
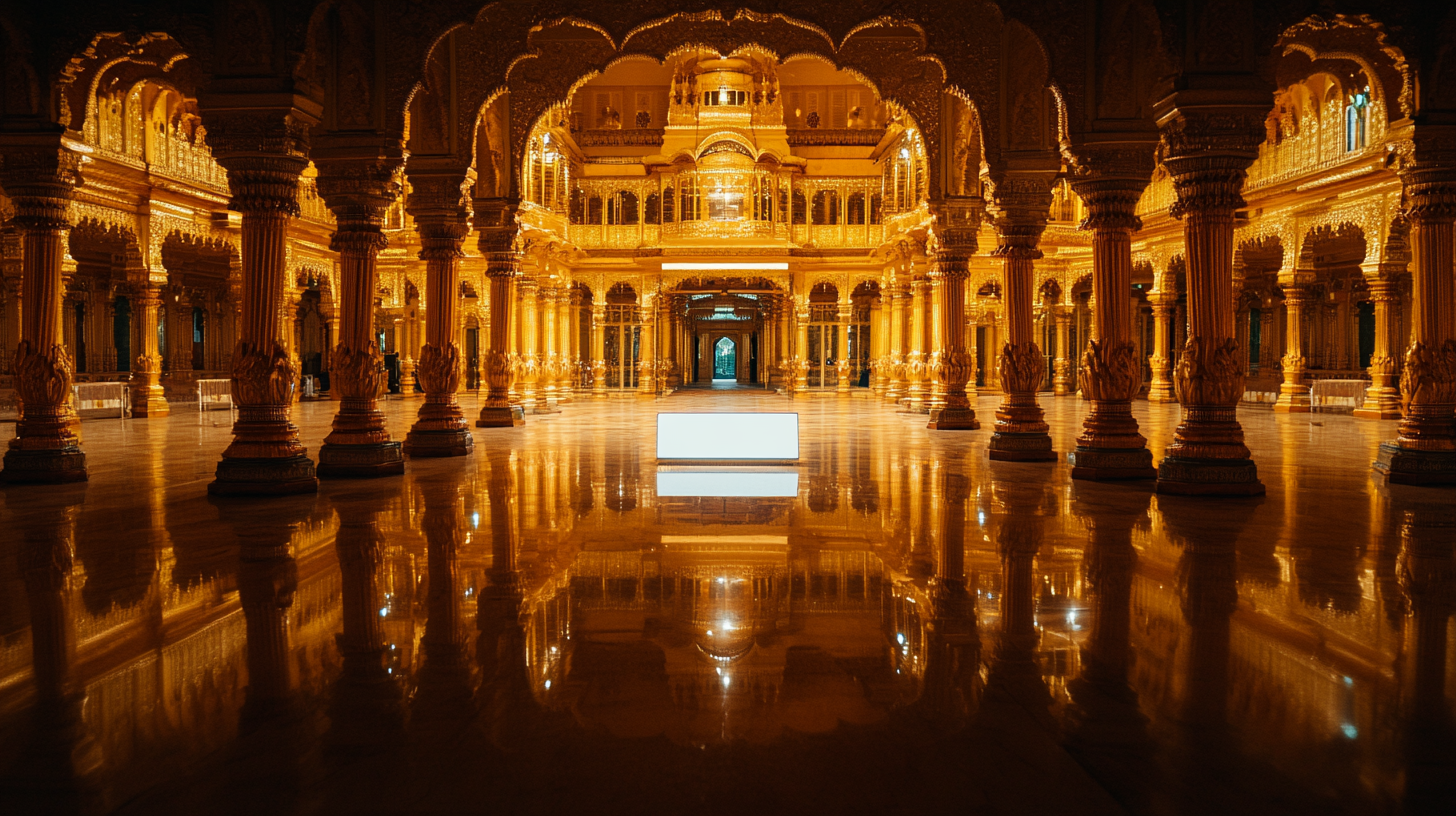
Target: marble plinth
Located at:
point(1414, 467)
point(952, 419)
point(1021, 447)
point(1112, 464)
point(435, 444)
point(1209, 477)
point(264, 477)
point(507, 417)
point(360, 461)
point(43, 466)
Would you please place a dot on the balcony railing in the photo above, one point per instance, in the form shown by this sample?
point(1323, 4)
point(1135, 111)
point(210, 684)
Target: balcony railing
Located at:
point(636, 137)
point(815, 137)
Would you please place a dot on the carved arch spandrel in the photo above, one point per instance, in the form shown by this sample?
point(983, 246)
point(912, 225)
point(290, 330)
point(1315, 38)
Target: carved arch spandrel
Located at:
point(959, 52)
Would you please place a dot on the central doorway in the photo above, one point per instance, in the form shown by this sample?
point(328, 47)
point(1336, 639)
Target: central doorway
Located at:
point(725, 359)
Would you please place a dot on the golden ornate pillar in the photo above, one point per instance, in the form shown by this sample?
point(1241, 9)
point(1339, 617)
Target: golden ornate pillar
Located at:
point(550, 364)
point(1424, 451)
point(935, 341)
point(528, 362)
point(599, 350)
point(1207, 151)
point(647, 364)
point(1022, 205)
point(877, 347)
point(497, 243)
point(148, 399)
point(264, 154)
point(39, 175)
point(441, 218)
point(1160, 389)
point(359, 191)
point(841, 359)
point(917, 352)
point(1382, 398)
point(1061, 366)
point(973, 352)
point(955, 227)
point(1110, 446)
point(801, 348)
point(567, 331)
point(895, 365)
point(1293, 391)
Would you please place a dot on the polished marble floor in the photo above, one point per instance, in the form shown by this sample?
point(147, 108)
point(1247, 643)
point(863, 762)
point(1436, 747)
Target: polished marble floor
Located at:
point(534, 629)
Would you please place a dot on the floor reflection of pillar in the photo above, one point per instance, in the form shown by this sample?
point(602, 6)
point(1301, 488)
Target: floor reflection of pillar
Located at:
point(443, 694)
point(366, 711)
point(1106, 731)
point(60, 766)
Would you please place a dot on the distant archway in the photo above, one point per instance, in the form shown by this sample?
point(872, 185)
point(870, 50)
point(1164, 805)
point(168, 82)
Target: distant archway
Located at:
point(725, 359)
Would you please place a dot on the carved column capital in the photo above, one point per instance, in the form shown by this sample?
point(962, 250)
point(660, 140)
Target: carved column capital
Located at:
point(1110, 178)
point(264, 152)
point(1207, 151)
point(499, 241)
point(1019, 207)
point(953, 233)
point(1426, 164)
point(39, 176)
point(359, 190)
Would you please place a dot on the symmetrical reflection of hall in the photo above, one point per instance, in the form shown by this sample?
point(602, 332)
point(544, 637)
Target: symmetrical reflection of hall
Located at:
point(548, 586)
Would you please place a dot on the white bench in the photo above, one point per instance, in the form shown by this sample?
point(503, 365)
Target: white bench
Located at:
point(1337, 394)
point(100, 399)
point(214, 394)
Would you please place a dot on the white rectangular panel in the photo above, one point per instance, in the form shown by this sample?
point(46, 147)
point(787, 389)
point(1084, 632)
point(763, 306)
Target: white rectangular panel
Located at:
point(728, 483)
point(728, 437)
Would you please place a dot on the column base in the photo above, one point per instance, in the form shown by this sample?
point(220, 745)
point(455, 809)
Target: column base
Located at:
point(150, 405)
point(1112, 464)
point(360, 461)
point(953, 419)
point(497, 417)
point(438, 444)
point(1161, 394)
point(1022, 447)
point(264, 477)
point(1377, 413)
point(1291, 408)
point(1402, 466)
point(1209, 477)
point(58, 466)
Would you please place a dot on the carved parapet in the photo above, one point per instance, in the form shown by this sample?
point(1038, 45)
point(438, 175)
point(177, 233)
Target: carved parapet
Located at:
point(1021, 368)
point(1111, 371)
point(1209, 375)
